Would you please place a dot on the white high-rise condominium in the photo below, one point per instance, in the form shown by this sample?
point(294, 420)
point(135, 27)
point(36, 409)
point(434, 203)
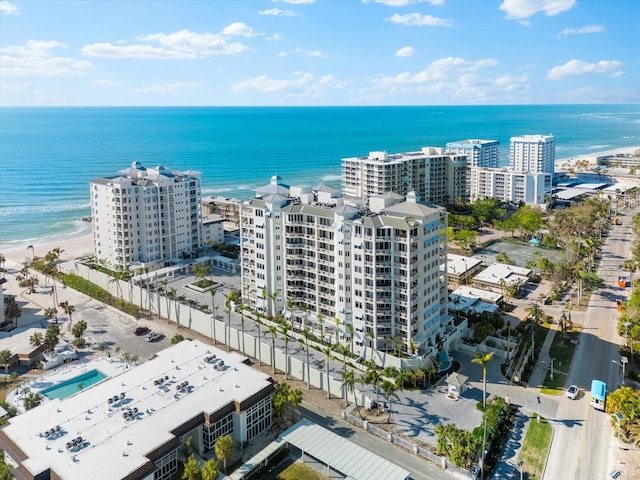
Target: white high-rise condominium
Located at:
point(146, 216)
point(480, 153)
point(434, 176)
point(338, 267)
point(533, 153)
point(509, 186)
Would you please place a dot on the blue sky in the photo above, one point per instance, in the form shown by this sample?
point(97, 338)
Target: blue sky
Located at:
point(322, 52)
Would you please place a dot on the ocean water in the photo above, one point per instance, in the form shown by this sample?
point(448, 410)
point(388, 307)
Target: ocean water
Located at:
point(49, 155)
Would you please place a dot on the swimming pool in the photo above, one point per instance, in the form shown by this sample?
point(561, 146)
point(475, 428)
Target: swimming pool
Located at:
point(73, 385)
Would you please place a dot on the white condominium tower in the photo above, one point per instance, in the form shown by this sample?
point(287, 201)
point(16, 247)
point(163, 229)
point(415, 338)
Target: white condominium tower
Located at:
point(146, 216)
point(434, 176)
point(533, 153)
point(337, 267)
point(509, 186)
point(480, 153)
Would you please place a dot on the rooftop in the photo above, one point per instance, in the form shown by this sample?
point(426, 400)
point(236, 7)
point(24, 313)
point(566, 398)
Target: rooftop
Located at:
point(500, 271)
point(163, 394)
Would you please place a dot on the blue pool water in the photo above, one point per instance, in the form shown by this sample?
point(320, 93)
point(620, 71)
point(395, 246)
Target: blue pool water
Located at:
point(71, 386)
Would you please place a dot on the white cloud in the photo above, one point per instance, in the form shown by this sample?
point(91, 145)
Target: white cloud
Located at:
point(276, 36)
point(8, 8)
point(178, 45)
point(35, 58)
point(167, 88)
point(439, 70)
point(405, 52)
point(239, 29)
point(108, 50)
point(404, 3)
point(518, 9)
point(278, 12)
point(105, 83)
point(15, 86)
point(296, 2)
point(311, 53)
point(301, 83)
point(417, 20)
point(581, 30)
point(574, 68)
point(282, 54)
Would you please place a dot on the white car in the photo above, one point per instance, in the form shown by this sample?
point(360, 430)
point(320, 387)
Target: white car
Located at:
point(572, 392)
point(153, 337)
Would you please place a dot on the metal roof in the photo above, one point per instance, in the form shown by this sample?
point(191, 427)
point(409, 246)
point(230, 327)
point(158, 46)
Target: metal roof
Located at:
point(350, 459)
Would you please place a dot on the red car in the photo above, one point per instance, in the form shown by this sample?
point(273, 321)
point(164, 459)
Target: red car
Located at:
point(140, 331)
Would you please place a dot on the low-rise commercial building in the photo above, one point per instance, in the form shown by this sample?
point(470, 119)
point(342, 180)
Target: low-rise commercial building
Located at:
point(132, 426)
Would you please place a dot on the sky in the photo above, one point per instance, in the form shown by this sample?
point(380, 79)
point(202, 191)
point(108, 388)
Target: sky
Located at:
point(318, 52)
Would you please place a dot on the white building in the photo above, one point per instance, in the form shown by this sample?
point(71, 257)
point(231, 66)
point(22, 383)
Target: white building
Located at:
point(213, 228)
point(436, 177)
point(509, 185)
point(311, 255)
point(146, 216)
point(499, 275)
point(480, 153)
point(132, 426)
point(533, 154)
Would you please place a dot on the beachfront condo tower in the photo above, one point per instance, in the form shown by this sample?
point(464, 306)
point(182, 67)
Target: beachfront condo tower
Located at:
point(533, 154)
point(510, 186)
point(435, 177)
point(351, 271)
point(480, 153)
point(146, 217)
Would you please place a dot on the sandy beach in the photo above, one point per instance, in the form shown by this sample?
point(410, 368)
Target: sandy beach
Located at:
point(563, 164)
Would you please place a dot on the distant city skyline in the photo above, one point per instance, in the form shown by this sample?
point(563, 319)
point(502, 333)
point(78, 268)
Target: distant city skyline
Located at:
point(318, 52)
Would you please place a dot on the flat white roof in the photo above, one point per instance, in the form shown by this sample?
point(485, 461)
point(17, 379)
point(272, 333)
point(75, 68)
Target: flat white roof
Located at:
point(590, 186)
point(457, 264)
point(17, 340)
point(470, 292)
point(569, 193)
point(116, 445)
point(346, 457)
point(500, 271)
point(623, 187)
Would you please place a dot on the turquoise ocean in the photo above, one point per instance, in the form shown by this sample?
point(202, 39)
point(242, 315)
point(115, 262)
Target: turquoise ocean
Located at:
point(49, 155)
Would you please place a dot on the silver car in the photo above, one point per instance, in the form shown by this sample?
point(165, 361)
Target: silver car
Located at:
point(572, 392)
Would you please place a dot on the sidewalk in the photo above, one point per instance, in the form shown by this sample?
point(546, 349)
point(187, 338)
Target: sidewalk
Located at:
point(506, 466)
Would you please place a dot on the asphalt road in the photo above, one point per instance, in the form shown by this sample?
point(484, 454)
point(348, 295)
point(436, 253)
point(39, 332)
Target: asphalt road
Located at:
point(583, 437)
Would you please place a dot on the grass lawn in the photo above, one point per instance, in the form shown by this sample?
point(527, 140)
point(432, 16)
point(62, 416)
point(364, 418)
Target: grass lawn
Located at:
point(562, 352)
point(536, 448)
point(300, 471)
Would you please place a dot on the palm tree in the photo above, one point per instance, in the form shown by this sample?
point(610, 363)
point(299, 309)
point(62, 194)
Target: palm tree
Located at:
point(241, 308)
point(337, 321)
point(258, 323)
point(228, 308)
point(390, 389)
point(3, 259)
point(5, 359)
point(33, 253)
point(352, 335)
point(327, 351)
point(210, 470)
point(374, 378)
point(284, 331)
point(294, 398)
point(79, 329)
point(483, 360)
point(306, 334)
point(273, 331)
point(68, 309)
point(36, 339)
point(348, 385)
point(191, 469)
point(223, 448)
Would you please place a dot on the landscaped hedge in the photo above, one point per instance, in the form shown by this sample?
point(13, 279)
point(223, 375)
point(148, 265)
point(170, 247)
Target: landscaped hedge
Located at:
point(94, 291)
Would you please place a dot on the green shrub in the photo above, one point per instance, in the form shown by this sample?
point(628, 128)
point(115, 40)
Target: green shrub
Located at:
point(94, 291)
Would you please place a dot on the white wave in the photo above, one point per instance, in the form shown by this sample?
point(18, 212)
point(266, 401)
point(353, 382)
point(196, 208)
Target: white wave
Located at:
point(28, 209)
point(331, 178)
point(597, 147)
point(244, 187)
point(216, 191)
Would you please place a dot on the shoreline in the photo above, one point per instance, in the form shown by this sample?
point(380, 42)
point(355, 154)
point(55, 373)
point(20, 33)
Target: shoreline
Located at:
point(80, 242)
point(569, 162)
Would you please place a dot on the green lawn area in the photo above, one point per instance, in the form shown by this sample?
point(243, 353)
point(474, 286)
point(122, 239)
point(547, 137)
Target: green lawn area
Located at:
point(562, 352)
point(536, 448)
point(300, 471)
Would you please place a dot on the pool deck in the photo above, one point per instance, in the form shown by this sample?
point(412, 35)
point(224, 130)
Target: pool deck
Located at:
point(37, 383)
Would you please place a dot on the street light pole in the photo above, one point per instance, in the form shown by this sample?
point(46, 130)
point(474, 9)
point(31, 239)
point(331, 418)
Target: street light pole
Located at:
point(520, 463)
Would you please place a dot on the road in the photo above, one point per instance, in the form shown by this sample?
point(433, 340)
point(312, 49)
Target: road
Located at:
point(582, 433)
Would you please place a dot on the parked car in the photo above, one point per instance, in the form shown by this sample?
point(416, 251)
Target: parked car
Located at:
point(139, 331)
point(153, 337)
point(572, 392)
